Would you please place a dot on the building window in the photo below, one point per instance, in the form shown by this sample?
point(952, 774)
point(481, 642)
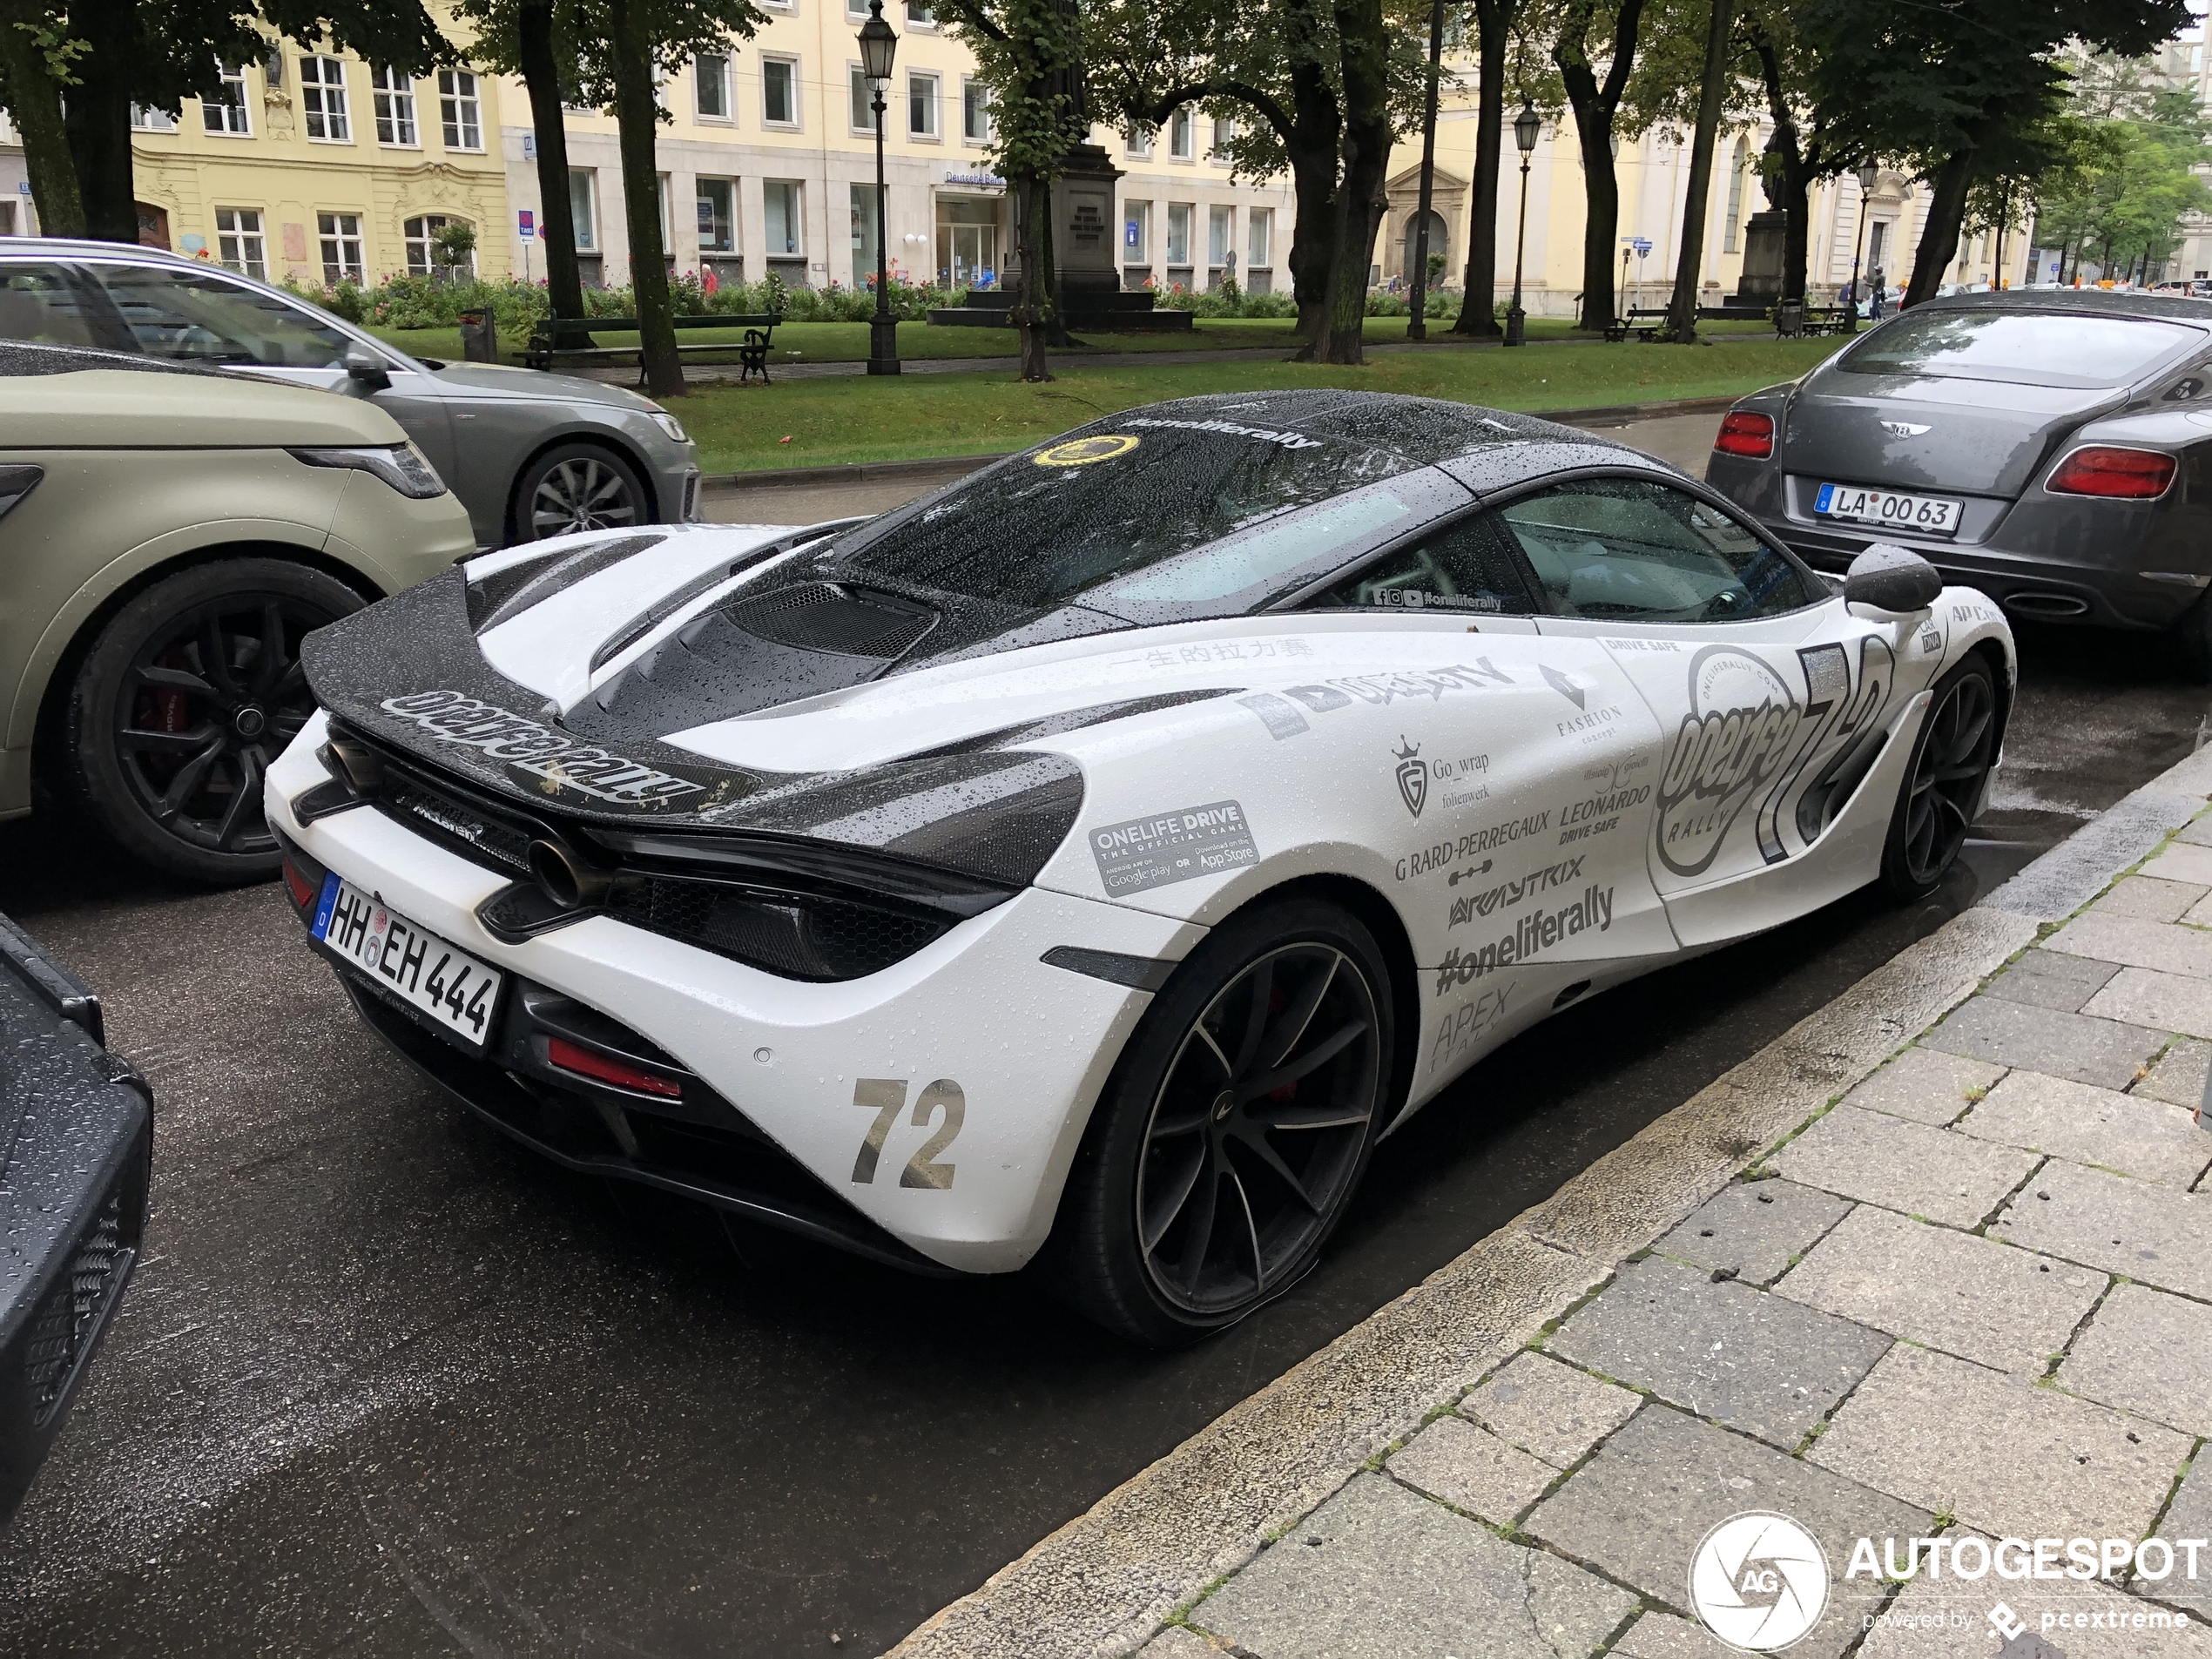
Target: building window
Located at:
point(238, 241)
point(921, 106)
point(323, 99)
point(974, 109)
point(342, 245)
point(968, 242)
point(717, 211)
point(421, 258)
point(1735, 198)
point(1137, 141)
point(393, 93)
point(1224, 134)
point(779, 92)
point(661, 201)
point(863, 100)
point(460, 110)
point(920, 16)
point(780, 212)
point(1221, 236)
point(1179, 135)
point(711, 75)
point(145, 119)
point(1260, 235)
point(1137, 232)
point(581, 209)
point(227, 111)
point(1180, 233)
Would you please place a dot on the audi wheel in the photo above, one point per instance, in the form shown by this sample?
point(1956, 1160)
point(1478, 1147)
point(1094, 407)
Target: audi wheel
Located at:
point(579, 487)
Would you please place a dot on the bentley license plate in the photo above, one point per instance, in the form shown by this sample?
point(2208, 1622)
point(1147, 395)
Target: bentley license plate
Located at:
point(458, 992)
point(1893, 509)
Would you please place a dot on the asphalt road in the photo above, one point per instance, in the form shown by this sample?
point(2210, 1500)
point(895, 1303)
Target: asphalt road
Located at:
point(385, 1385)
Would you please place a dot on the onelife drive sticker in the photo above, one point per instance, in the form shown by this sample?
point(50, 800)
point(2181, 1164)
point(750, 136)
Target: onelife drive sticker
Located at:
point(1172, 847)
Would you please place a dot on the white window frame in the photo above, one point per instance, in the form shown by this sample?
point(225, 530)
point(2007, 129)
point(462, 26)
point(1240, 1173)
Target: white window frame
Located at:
point(411, 242)
point(664, 200)
point(323, 102)
point(1260, 238)
point(583, 192)
point(460, 113)
point(1190, 212)
point(718, 78)
point(798, 189)
point(1183, 135)
point(1221, 216)
point(391, 97)
point(224, 117)
point(338, 235)
point(699, 187)
point(241, 244)
point(1140, 214)
point(1137, 141)
point(936, 131)
point(860, 99)
point(974, 96)
point(920, 14)
point(793, 82)
point(145, 119)
point(1224, 134)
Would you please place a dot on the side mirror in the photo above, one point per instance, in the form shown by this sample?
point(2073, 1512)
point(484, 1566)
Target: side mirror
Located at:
point(1889, 578)
point(366, 369)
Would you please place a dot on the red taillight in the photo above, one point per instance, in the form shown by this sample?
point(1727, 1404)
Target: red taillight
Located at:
point(569, 1057)
point(2132, 475)
point(303, 891)
point(1744, 433)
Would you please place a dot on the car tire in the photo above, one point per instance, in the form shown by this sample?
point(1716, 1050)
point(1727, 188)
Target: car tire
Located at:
point(579, 487)
point(164, 755)
point(1193, 1202)
point(1943, 785)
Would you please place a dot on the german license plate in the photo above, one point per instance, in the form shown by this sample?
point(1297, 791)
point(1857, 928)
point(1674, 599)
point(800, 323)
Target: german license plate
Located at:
point(422, 970)
point(1927, 514)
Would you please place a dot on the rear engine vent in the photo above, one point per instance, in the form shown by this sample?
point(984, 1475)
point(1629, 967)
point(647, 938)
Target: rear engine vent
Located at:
point(799, 936)
point(2047, 604)
point(820, 616)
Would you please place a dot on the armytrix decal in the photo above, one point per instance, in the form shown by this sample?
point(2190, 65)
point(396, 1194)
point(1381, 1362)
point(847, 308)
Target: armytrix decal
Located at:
point(1531, 935)
point(1474, 841)
point(1506, 894)
point(562, 762)
point(1465, 1024)
point(1413, 775)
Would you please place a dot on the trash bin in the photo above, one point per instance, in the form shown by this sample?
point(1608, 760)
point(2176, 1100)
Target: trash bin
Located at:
point(1789, 317)
point(480, 336)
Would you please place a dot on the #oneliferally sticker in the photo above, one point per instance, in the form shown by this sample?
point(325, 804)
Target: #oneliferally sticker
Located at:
point(1173, 846)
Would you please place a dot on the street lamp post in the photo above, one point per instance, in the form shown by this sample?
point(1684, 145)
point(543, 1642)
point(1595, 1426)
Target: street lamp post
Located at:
point(1526, 127)
point(1868, 173)
point(878, 47)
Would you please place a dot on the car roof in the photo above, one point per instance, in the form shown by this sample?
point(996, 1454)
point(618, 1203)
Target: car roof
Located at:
point(14, 248)
point(2098, 302)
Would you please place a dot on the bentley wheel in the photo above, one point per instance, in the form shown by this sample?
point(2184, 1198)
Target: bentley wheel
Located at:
point(1234, 1129)
point(578, 487)
point(188, 693)
point(1951, 763)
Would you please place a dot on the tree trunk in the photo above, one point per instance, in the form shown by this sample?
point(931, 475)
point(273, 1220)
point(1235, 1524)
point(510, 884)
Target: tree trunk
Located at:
point(1594, 106)
point(1416, 321)
point(1364, 48)
point(1946, 213)
point(1689, 264)
point(1313, 148)
point(34, 102)
point(1029, 291)
point(97, 117)
point(1494, 33)
point(638, 116)
point(556, 214)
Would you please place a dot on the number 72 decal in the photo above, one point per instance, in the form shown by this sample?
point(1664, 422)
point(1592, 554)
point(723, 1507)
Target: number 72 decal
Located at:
point(885, 1097)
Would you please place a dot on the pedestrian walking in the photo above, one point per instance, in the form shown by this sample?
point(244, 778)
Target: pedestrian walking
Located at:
point(1881, 288)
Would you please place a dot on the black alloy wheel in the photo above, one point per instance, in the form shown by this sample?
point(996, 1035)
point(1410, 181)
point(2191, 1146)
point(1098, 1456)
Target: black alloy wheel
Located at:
point(578, 487)
point(1951, 763)
point(186, 696)
point(1235, 1130)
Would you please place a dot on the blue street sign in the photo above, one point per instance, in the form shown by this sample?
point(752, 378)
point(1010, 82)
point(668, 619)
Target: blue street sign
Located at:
point(1642, 246)
point(526, 224)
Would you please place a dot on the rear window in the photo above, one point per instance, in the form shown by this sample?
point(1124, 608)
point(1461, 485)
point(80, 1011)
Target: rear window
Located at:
point(1118, 501)
point(2033, 348)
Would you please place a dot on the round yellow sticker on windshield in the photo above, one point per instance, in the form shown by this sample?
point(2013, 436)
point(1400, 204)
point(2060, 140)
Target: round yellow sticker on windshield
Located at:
point(1082, 451)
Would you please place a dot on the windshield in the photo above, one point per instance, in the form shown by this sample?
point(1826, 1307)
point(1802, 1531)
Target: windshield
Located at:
point(2033, 348)
point(1117, 500)
point(205, 318)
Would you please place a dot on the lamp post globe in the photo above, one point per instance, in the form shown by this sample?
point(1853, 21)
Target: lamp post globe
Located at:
point(878, 49)
point(1526, 127)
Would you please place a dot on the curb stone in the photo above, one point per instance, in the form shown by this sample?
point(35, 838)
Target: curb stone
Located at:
point(1102, 1584)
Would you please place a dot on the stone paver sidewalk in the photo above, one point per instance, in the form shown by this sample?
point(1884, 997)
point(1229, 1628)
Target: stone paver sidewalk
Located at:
point(1972, 1300)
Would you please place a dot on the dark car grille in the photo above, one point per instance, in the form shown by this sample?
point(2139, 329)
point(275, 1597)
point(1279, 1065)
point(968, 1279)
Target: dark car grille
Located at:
point(810, 936)
point(460, 824)
point(817, 617)
point(68, 1315)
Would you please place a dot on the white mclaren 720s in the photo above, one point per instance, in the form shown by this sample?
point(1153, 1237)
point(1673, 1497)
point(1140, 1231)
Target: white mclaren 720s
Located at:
point(1090, 860)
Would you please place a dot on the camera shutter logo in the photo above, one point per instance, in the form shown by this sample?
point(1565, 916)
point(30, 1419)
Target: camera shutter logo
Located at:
point(1760, 1582)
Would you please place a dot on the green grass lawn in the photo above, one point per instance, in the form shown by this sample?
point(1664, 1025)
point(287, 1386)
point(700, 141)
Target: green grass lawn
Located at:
point(847, 342)
point(820, 422)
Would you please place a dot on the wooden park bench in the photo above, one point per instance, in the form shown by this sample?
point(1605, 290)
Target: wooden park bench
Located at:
point(1644, 324)
point(1827, 319)
point(752, 352)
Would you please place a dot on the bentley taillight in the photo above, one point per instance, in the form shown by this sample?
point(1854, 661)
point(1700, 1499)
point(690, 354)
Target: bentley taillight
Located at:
point(1747, 434)
point(2106, 469)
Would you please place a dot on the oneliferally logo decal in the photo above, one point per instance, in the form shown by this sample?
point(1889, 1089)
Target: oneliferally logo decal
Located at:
point(561, 762)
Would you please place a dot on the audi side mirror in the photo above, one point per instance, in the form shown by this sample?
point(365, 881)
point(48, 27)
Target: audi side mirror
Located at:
point(1892, 579)
point(366, 369)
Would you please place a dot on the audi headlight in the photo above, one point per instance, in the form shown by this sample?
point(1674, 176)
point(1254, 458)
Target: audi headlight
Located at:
point(671, 425)
point(400, 465)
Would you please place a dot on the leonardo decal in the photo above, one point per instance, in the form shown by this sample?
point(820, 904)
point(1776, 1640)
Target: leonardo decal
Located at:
point(1173, 846)
point(1531, 937)
point(561, 762)
point(1469, 906)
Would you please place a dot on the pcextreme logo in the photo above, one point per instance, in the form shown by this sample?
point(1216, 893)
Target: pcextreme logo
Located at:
point(1759, 1581)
